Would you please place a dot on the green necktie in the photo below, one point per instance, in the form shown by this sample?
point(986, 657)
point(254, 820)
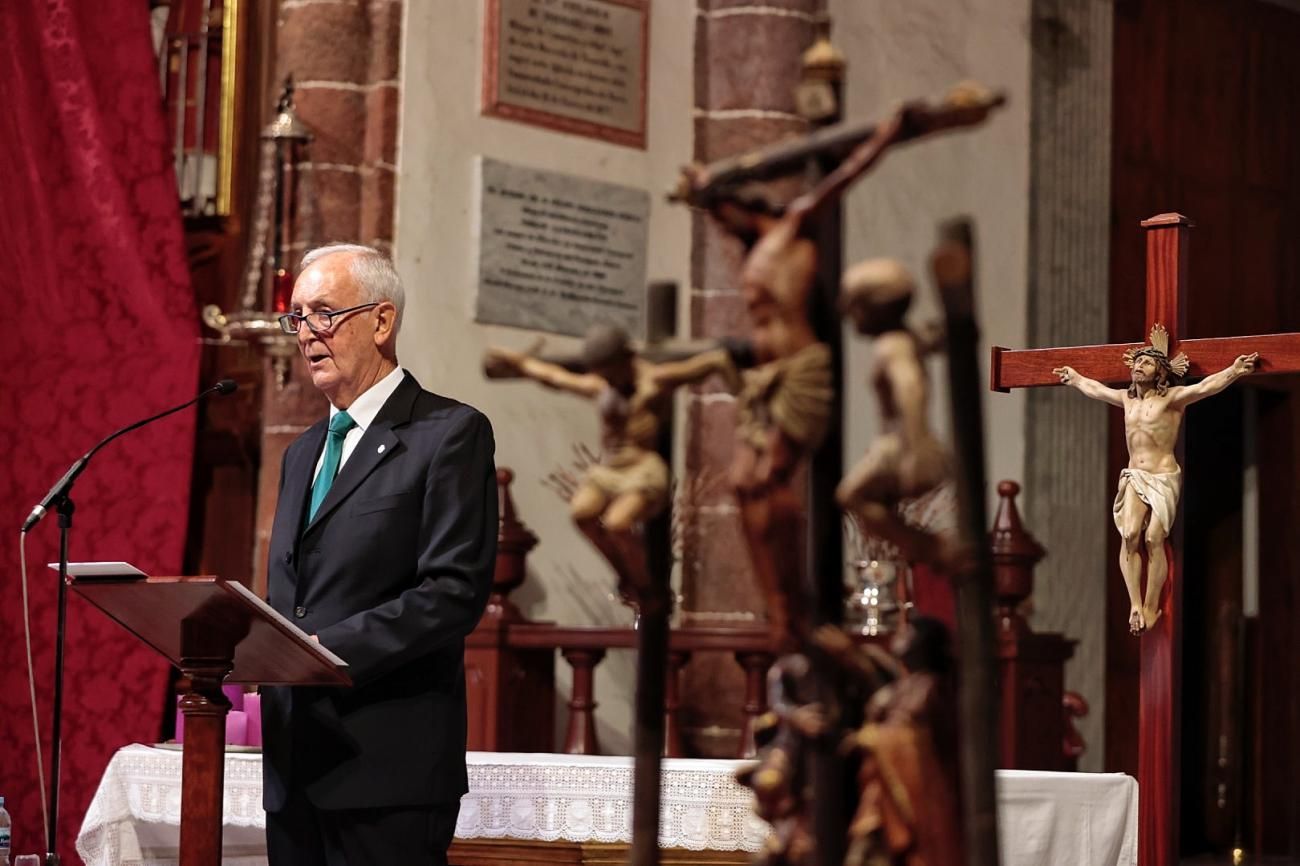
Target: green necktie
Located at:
point(340, 424)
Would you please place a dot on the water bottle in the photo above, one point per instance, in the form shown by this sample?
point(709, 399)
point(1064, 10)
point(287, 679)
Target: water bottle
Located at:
point(4, 834)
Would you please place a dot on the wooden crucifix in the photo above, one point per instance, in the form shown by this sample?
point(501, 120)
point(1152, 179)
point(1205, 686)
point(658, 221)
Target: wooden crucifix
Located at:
point(1159, 621)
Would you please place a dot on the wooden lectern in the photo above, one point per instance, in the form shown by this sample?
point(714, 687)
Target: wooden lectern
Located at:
point(215, 631)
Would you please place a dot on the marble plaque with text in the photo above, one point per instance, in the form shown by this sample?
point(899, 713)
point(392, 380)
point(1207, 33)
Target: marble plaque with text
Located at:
point(559, 253)
point(575, 65)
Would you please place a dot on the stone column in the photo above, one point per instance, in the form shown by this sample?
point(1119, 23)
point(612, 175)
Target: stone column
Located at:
point(1067, 493)
point(344, 57)
point(747, 65)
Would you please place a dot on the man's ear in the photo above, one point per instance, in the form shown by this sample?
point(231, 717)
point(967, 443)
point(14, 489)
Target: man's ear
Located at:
point(385, 320)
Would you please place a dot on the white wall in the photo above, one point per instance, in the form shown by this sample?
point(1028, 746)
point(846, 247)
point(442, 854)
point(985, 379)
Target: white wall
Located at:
point(903, 49)
point(442, 133)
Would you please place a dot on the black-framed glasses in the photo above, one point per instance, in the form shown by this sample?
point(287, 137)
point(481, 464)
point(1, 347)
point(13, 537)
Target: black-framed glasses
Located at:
point(321, 322)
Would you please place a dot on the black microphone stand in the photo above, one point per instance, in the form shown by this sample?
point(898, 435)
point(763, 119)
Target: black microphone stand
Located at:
point(59, 498)
point(65, 509)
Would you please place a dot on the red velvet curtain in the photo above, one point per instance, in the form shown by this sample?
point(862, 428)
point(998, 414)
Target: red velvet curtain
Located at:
point(97, 329)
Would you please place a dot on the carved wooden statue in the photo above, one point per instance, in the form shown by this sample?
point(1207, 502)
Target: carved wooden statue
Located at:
point(784, 402)
point(779, 778)
point(906, 461)
point(1147, 500)
point(629, 484)
point(907, 812)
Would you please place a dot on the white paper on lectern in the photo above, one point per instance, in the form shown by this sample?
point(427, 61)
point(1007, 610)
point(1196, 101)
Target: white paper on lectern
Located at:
point(100, 569)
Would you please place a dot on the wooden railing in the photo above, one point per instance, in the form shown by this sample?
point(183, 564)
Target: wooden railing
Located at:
point(584, 648)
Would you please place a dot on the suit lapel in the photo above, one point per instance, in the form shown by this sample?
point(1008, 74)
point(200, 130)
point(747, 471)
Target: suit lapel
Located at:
point(298, 478)
point(376, 445)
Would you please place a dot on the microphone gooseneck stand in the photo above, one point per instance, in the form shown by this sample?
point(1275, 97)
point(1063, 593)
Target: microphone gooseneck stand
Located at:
point(60, 500)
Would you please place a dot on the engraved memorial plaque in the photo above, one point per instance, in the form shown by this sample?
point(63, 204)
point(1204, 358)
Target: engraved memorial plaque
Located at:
point(574, 65)
point(559, 253)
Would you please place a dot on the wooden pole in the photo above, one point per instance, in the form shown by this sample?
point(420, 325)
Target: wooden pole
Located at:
point(832, 776)
point(652, 639)
point(977, 685)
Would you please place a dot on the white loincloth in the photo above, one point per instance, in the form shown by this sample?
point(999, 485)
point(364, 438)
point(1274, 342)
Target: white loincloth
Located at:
point(1159, 490)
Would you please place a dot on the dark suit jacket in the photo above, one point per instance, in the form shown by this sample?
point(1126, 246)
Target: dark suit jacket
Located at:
point(392, 574)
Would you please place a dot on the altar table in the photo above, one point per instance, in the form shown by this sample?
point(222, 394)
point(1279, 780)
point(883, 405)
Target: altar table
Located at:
point(584, 802)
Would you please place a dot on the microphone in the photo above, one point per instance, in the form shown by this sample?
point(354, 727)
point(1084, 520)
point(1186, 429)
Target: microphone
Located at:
point(59, 491)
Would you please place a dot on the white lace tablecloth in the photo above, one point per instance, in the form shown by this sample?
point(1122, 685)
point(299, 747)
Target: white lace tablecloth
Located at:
point(1053, 819)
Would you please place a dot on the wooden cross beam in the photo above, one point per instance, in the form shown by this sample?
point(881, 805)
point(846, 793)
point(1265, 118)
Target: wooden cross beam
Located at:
point(1159, 727)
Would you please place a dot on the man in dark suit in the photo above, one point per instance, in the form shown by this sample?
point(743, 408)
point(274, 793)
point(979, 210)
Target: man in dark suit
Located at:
point(383, 550)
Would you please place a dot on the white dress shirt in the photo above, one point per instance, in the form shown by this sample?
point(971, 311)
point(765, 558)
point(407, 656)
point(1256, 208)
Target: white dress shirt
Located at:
point(363, 411)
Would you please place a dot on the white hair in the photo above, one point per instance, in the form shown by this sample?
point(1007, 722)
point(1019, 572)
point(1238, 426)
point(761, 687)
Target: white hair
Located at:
point(371, 269)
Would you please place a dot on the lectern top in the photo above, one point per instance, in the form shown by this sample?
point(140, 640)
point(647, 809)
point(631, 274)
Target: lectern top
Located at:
point(190, 620)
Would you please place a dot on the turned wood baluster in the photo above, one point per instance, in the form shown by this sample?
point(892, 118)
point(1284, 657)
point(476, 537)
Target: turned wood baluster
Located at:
point(674, 745)
point(1075, 707)
point(756, 665)
point(580, 736)
point(514, 541)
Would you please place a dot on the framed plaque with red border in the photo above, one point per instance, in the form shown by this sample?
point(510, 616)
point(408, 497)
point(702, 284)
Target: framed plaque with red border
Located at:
point(578, 66)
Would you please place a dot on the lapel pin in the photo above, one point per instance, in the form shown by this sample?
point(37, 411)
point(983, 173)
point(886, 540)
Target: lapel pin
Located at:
point(381, 449)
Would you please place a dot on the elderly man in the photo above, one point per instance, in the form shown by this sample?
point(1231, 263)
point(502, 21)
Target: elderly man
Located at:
point(383, 550)
point(1147, 500)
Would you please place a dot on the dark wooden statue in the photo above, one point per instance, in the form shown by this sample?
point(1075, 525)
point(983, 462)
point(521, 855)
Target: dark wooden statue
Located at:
point(908, 780)
point(779, 779)
point(784, 402)
point(629, 483)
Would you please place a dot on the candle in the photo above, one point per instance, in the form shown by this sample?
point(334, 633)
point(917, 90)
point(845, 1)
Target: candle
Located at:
point(253, 709)
point(236, 727)
point(234, 694)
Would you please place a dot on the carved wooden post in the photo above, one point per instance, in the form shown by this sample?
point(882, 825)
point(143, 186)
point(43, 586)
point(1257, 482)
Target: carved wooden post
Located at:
point(756, 665)
point(502, 682)
point(514, 541)
point(1031, 665)
point(1075, 707)
point(580, 736)
point(1015, 553)
point(203, 766)
point(674, 745)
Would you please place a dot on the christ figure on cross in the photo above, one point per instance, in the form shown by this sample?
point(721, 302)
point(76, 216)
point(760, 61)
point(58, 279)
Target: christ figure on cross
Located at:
point(784, 402)
point(633, 397)
point(1148, 489)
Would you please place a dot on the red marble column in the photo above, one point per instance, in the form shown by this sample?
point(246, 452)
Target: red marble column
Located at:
point(747, 66)
point(345, 61)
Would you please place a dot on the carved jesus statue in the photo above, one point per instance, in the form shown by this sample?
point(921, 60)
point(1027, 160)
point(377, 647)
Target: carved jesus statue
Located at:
point(906, 460)
point(1148, 489)
point(784, 402)
point(632, 396)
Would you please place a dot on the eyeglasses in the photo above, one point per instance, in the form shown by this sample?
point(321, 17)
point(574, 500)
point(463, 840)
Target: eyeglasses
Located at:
point(320, 322)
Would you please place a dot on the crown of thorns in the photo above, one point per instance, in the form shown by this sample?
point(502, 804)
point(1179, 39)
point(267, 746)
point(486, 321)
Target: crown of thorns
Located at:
point(1175, 367)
